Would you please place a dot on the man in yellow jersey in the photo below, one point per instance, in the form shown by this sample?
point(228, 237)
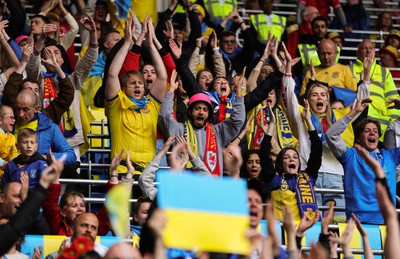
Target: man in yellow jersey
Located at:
point(132, 116)
point(329, 71)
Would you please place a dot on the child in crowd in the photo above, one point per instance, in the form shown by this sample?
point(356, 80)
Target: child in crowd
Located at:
point(8, 149)
point(29, 160)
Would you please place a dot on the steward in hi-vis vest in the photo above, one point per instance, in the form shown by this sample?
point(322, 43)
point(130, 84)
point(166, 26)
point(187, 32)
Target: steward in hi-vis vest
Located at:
point(263, 24)
point(217, 10)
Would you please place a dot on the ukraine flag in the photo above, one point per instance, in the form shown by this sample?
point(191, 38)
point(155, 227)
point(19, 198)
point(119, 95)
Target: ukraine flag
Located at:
point(204, 213)
point(119, 10)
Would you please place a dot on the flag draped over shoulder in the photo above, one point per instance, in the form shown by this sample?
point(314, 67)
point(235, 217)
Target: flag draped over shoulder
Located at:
point(204, 213)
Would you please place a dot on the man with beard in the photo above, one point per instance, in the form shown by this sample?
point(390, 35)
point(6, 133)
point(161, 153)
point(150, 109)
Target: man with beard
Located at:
point(86, 224)
point(205, 139)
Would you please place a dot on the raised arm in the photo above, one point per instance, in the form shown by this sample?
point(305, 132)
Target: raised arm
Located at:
point(217, 59)
point(333, 135)
point(368, 254)
point(260, 93)
point(86, 63)
point(195, 27)
point(33, 68)
point(159, 88)
point(392, 224)
point(113, 85)
point(253, 77)
point(12, 86)
point(290, 229)
point(189, 82)
point(166, 120)
point(315, 159)
point(147, 178)
point(68, 39)
point(268, 171)
point(17, 19)
point(244, 132)
point(6, 48)
point(194, 60)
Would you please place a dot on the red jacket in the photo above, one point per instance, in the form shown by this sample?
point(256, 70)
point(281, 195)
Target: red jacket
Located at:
point(57, 225)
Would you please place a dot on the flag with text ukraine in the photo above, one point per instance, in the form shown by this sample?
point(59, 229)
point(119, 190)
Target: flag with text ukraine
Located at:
point(204, 213)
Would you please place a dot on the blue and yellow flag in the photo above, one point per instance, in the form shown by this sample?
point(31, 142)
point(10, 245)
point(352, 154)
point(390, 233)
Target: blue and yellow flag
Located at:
point(117, 204)
point(119, 10)
point(52, 244)
point(204, 213)
point(374, 233)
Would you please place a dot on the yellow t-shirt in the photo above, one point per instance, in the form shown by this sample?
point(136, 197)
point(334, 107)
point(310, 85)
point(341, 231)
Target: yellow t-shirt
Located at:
point(8, 149)
point(336, 75)
point(132, 130)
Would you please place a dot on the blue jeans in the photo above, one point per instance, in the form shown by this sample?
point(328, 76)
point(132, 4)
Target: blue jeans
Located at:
point(330, 181)
point(159, 146)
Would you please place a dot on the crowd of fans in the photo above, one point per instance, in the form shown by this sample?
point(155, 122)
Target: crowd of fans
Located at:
point(275, 100)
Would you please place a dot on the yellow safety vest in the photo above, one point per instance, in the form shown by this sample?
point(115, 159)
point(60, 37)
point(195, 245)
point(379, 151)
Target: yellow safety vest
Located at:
point(260, 24)
point(382, 88)
point(179, 8)
point(309, 52)
point(217, 10)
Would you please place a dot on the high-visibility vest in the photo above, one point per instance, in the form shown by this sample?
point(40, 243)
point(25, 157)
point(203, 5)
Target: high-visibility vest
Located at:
point(382, 88)
point(179, 7)
point(309, 52)
point(219, 9)
point(259, 22)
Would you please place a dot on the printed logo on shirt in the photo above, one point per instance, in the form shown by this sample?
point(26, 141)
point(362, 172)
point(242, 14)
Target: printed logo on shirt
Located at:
point(211, 160)
point(32, 173)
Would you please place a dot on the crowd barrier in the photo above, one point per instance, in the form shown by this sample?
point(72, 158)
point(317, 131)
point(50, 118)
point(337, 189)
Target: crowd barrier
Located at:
point(376, 233)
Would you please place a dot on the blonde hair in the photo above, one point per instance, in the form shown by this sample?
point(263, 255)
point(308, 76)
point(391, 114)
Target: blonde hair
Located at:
point(328, 104)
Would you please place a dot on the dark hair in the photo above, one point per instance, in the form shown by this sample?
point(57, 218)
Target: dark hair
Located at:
point(55, 44)
point(90, 255)
point(279, 159)
point(108, 33)
point(227, 33)
point(246, 155)
point(318, 18)
point(147, 236)
point(201, 71)
point(26, 133)
point(145, 64)
point(66, 65)
point(259, 187)
point(379, 21)
point(211, 85)
point(361, 125)
point(44, 18)
point(105, 29)
point(137, 205)
point(4, 188)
